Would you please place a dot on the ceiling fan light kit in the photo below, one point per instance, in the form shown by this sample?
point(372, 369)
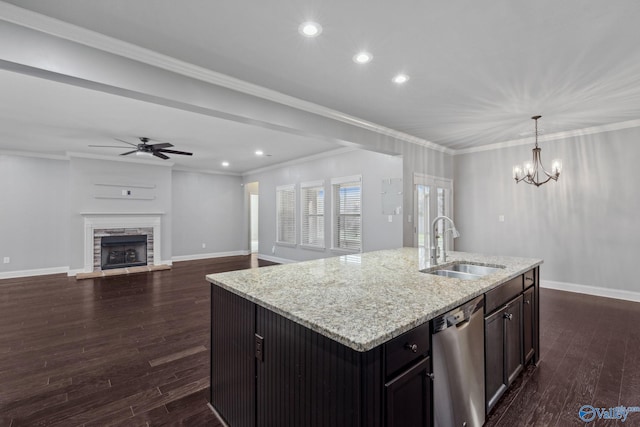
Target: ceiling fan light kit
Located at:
point(528, 172)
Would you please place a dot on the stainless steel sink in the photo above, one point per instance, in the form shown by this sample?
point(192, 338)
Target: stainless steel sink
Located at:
point(455, 274)
point(463, 271)
point(480, 270)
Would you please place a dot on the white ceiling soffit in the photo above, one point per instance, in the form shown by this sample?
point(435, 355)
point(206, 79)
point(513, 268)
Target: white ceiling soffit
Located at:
point(478, 72)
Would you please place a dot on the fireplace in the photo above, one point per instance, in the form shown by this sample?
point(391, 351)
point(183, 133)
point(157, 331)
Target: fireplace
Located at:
point(134, 238)
point(123, 251)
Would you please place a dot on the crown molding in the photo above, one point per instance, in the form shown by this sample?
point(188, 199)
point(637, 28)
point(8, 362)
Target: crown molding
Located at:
point(74, 33)
point(553, 136)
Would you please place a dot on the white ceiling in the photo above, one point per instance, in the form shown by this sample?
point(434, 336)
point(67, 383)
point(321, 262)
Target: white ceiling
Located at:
point(477, 73)
point(47, 117)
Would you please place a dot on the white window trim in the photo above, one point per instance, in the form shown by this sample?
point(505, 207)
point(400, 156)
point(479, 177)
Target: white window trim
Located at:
point(292, 188)
point(334, 205)
point(303, 186)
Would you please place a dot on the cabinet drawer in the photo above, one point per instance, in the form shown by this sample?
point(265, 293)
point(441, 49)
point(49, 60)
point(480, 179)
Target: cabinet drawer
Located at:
point(503, 293)
point(406, 348)
point(529, 278)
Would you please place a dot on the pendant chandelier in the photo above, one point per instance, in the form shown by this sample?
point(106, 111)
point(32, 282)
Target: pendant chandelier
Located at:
point(528, 172)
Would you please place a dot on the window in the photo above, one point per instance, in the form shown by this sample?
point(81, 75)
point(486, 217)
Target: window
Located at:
point(286, 215)
point(312, 213)
point(347, 221)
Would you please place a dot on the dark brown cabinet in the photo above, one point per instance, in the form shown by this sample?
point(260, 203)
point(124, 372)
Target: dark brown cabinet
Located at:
point(408, 397)
point(528, 321)
point(511, 333)
point(408, 386)
point(503, 349)
point(514, 359)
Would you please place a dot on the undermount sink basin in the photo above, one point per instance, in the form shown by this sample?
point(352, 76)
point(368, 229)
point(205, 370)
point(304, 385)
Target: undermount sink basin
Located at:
point(455, 274)
point(464, 271)
point(480, 270)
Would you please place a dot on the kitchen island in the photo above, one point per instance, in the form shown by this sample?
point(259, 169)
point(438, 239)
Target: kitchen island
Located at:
point(318, 342)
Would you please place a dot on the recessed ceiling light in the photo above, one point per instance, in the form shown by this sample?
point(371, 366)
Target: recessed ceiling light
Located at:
point(400, 79)
point(310, 29)
point(259, 153)
point(362, 57)
point(225, 164)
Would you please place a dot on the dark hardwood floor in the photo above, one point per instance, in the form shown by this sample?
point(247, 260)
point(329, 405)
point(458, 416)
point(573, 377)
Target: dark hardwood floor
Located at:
point(134, 350)
point(125, 350)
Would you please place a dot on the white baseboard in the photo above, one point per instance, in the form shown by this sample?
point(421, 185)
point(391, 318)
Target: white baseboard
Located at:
point(209, 255)
point(276, 259)
point(33, 272)
point(591, 290)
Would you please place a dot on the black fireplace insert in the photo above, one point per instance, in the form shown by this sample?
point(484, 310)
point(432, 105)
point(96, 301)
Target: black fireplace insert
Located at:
point(123, 251)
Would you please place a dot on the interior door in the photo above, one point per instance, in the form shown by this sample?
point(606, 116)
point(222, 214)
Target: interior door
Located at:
point(433, 196)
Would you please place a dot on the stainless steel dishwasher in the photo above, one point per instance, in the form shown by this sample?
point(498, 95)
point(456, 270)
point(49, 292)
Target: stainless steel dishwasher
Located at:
point(458, 366)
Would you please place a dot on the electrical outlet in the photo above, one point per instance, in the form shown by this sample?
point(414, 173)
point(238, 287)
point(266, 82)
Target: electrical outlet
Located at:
point(273, 249)
point(6, 260)
point(390, 218)
point(204, 245)
point(500, 218)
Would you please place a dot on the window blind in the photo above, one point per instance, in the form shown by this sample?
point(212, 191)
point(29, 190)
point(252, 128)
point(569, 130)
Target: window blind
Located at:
point(347, 232)
point(312, 227)
point(286, 215)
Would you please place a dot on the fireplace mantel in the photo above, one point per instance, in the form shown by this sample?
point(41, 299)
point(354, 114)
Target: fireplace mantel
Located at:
point(106, 220)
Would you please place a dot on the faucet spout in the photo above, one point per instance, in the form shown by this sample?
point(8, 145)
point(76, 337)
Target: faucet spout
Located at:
point(434, 247)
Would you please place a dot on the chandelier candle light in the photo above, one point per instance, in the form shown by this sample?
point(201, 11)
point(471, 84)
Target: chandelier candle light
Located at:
point(528, 172)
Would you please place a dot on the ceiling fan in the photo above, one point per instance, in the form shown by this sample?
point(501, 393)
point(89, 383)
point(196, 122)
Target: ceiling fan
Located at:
point(143, 148)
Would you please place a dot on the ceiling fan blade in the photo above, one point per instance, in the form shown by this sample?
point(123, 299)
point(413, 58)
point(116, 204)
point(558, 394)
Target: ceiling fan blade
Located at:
point(184, 153)
point(126, 142)
point(109, 146)
point(128, 152)
point(161, 145)
point(162, 156)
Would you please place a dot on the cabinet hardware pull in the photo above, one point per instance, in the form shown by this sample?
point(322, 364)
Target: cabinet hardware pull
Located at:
point(412, 347)
point(508, 316)
point(530, 279)
point(430, 375)
point(527, 301)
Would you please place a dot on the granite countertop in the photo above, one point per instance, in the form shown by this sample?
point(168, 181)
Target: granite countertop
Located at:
point(364, 300)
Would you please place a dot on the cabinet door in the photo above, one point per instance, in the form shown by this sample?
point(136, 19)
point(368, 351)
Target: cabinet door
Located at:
point(528, 320)
point(408, 397)
point(513, 339)
point(494, 358)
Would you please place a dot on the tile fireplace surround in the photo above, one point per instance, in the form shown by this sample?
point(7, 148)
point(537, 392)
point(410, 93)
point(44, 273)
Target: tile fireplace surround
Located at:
point(97, 225)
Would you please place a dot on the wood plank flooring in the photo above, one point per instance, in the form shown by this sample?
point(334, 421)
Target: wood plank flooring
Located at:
point(128, 350)
point(134, 350)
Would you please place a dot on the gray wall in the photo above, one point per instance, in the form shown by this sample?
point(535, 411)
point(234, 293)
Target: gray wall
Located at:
point(207, 209)
point(34, 208)
point(377, 232)
point(585, 226)
point(41, 200)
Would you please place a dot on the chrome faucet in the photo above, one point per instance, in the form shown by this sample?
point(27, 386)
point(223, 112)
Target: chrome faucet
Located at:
point(434, 246)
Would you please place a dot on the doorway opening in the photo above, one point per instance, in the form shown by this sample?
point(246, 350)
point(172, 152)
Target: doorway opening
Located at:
point(254, 215)
point(433, 196)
